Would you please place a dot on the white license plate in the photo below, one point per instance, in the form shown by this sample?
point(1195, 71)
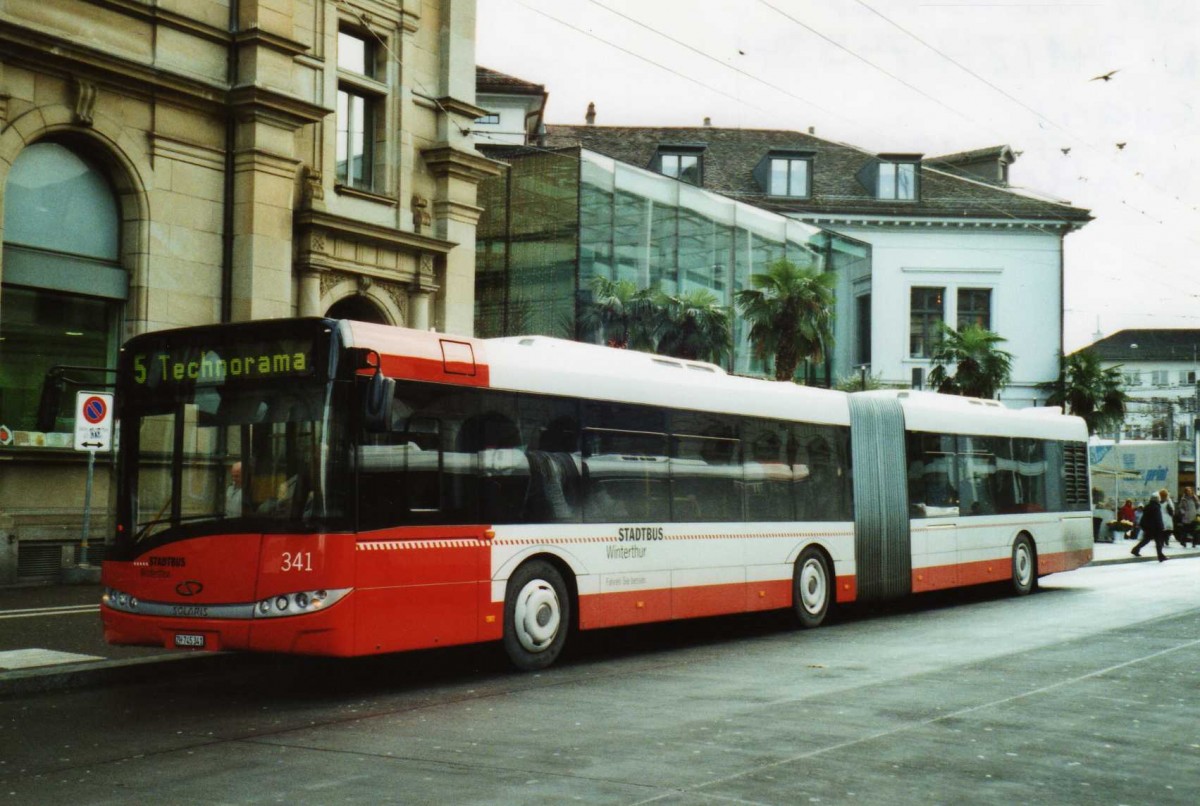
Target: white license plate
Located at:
point(192, 641)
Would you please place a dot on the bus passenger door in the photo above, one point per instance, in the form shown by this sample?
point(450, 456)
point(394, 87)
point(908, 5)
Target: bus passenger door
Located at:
point(933, 503)
point(935, 554)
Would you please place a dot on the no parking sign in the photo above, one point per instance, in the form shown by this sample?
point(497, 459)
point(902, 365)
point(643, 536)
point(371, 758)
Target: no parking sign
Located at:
point(93, 421)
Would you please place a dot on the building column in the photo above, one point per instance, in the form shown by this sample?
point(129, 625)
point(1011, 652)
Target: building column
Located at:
point(262, 231)
point(455, 216)
point(310, 293)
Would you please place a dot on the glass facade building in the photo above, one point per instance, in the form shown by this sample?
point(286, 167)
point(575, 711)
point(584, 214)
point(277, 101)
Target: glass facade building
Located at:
point(555, 220)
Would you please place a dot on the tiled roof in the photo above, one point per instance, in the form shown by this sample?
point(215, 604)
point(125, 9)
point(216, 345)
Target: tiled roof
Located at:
point(487, 80)
point(975, 155)
point(1175, 344)
point(731, 155)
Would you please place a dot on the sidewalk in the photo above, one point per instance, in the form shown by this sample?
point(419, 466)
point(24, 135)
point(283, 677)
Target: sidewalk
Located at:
point(1118, 552)
point(51, 638)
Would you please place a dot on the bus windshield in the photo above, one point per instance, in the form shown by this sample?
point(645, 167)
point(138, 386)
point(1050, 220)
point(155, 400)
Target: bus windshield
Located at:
point(248, 457)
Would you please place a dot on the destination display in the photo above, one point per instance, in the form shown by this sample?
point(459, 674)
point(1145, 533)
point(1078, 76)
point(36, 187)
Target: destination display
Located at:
point(199, 364)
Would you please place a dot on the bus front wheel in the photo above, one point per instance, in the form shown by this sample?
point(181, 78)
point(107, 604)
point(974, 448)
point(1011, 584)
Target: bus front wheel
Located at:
point(537, 613)
point(1024, 566)
point(812, 588)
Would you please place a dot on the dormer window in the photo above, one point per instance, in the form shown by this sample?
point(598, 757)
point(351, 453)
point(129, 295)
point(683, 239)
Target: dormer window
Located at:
point(789, 177)
point(897, 180)
point(785, 173)
point(892, 177)
point(685, 163)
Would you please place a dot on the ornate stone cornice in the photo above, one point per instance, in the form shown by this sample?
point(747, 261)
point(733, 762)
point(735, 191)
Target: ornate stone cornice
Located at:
point(261, 38)
point(457, 211)
point(444, 160)
point(317, 220)
point(29, 47)
point(287, 110)
point(461, 108)
point(77, 61)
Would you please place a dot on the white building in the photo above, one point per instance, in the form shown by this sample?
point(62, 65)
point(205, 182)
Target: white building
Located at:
point(513, 107)
point(1159, 370)
point(948, 239)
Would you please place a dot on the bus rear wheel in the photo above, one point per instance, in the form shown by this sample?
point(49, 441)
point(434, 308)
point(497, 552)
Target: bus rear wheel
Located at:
point(537, 613)
point(1024, 566)
point(812, 588)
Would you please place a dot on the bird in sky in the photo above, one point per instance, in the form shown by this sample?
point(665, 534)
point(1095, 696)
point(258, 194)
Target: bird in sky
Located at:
point(1120, 146)
point(1065, 151)
point(1106, 77)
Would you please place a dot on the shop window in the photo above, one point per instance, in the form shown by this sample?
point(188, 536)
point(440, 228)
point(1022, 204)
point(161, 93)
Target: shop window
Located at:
point(63, 292)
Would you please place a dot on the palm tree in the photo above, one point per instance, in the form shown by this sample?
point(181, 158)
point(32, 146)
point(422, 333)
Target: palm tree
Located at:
point(790, 311)
point(981, 368)
point(1088, 390)
point(694, 326)
point(620, 312)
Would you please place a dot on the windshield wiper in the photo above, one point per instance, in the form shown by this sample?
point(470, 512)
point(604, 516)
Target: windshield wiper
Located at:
point(169, 521)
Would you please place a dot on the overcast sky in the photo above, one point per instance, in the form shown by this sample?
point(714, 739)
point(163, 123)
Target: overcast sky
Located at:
point(927, 77)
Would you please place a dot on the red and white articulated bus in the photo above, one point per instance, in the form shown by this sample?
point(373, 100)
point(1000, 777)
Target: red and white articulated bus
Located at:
point(339, 488)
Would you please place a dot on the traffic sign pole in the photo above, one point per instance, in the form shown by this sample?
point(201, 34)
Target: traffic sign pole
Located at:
point(87, 508)
point(93, 432)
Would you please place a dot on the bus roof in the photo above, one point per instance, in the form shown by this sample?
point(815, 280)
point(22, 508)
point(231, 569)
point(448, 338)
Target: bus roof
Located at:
point(952, 414)
point(545, 365)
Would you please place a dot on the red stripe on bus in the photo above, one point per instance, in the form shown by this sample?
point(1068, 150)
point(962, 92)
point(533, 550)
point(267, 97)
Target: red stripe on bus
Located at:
point(940, 577)
point(424, 356)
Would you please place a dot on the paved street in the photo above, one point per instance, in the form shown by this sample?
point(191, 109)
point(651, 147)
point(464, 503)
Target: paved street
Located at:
point(1084, 693)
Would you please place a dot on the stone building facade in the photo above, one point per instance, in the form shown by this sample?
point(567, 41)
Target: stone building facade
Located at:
point(166, 163)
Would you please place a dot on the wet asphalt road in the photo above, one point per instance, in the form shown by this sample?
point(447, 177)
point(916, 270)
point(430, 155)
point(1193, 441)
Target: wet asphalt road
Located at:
point(1088, 692)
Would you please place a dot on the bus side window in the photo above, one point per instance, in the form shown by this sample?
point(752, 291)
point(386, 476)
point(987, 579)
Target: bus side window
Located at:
point(627, 476)
point(822, 473)
point(421, 442)
point(932, 473)
point(413, 473)
point(550, 426)
point(503, 471)
point(706, 468)
point(767, 470)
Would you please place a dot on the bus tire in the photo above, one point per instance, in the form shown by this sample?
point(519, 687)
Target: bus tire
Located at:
point(537, 614)
point(1024, 566)
point(812, 588)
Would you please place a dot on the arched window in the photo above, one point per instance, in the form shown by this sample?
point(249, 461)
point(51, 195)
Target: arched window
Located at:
point(357, 308)
point(63, 289)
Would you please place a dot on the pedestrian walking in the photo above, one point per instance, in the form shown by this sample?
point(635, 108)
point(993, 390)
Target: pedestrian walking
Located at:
point(1152, 525)
point(1137, 523)
point(1185, 517)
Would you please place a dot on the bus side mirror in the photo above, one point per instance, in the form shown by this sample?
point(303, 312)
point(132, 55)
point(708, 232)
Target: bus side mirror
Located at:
point(377, 403)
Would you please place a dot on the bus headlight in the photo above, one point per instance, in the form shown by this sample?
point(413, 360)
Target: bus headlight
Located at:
point(119, 600)
point(298, 603)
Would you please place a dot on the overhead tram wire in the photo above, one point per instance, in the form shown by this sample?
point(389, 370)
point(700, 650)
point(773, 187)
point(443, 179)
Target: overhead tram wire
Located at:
point(1040, 116)
point(365, 22)
point(646, 59)
point(867, 61)
point(913, 87)
point(968, 70)
point(725, 64)
point(1044, 228)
